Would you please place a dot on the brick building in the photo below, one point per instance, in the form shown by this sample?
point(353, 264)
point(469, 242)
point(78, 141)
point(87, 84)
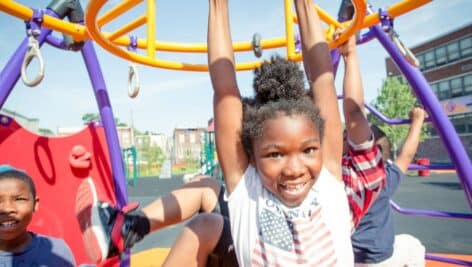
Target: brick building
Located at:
point(187, 144)
point(446, 62)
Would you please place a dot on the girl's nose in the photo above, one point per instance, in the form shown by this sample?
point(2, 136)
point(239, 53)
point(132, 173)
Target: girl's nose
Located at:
point(294, 167)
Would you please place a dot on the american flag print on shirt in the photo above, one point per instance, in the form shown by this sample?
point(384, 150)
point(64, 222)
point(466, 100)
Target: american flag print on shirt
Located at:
point(284, 241)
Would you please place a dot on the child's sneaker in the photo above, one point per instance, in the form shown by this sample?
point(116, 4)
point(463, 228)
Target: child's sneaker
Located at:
point(103, 226)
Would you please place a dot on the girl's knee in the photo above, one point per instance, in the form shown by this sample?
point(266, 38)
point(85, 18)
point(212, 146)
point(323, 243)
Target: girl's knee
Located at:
point(208, 228)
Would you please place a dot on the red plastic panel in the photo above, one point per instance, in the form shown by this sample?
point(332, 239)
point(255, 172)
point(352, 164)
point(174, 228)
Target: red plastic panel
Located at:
point(48, 161)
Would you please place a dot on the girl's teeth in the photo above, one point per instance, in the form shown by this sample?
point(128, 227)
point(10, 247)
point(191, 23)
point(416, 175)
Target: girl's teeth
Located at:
point(7, 224)
point(293, 188)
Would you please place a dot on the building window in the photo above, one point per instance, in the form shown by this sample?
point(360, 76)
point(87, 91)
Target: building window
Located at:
point(444, 90)
point(440, 55)
point(192, 138)
point(453, 51)
point(460, 123)
point(421, 60)
point(468, 84)
point(429, 59)
point(434, 88)
point(181, 138)
point(456, 87)
point(466, 47)
point(468, 120)
point(460, 127)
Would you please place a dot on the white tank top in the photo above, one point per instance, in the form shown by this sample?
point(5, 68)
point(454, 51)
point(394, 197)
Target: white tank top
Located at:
point(267, 233)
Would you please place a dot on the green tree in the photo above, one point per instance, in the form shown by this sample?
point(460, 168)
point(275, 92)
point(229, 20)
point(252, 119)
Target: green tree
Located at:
point(46, 132)
point(153, 155)
point(89, 117)
point(395, 100)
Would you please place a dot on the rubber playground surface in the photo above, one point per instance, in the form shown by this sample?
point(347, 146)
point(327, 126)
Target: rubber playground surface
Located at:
point(439, 191)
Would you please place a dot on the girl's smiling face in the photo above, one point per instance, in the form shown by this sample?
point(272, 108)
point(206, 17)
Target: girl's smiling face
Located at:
point(288, 157)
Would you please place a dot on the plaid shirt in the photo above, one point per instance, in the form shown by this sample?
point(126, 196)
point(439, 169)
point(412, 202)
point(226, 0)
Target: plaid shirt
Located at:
point(363, 174)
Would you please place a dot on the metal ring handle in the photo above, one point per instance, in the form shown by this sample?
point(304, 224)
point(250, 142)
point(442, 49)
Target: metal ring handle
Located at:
point(133, 89)
point(33, 51)
point(256, 44)
point(406, 52)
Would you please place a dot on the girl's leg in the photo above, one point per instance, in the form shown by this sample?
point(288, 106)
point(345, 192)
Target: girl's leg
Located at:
point(196, 241)
point(106, 230)
point(200, 195)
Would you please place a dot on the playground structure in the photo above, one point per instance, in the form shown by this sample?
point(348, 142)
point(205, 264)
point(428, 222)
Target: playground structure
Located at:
point(60, 164)
point(130, 159)
point(209, 159)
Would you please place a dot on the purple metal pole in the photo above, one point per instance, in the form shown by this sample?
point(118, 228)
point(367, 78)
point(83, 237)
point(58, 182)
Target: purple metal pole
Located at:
point(430, 213)
point(448, 260)
point(423, 91)
point(335, 56)
point(56, 42)
point(12, 70)
point(384, 118)
point(108, 121)
point(366, 37)
point(431, 167)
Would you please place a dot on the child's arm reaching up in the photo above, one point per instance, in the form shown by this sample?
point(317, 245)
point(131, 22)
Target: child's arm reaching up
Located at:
point(357, 126)
point(363, 169)
point(412, 139)
point(319, 69)
point(227, 107)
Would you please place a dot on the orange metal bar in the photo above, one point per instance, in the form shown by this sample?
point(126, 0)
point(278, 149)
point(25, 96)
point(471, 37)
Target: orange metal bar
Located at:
point(323, 16)
point(117, 11)
point(127, 28)
point(395, 11)
point(25, 13)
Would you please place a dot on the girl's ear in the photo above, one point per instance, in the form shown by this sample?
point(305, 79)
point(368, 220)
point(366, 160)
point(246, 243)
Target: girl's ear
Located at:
point(36, 204)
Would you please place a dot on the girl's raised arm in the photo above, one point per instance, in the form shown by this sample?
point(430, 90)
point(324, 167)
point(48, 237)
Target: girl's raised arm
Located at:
point(319, 69)
point(227, 106)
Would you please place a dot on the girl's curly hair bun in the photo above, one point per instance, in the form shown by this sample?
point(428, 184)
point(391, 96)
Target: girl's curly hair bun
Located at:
point(276, 79)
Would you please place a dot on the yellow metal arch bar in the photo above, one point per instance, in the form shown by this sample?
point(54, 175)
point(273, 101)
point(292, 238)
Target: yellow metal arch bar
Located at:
point(78, 32)
point(127, 28)
point(395, 10)
point(289, 32)
point(150, 44)
point(323, 16)
point(370, 20)
point(151, 28)
point(117, 10)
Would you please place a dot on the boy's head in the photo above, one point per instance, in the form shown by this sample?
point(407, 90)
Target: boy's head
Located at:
point(382, 141)
point(18, 201)
point(380, 138)
point(282, 131)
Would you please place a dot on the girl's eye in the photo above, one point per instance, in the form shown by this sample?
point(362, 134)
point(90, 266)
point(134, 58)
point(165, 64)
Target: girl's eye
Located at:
point(310, 150)
point(274, 155)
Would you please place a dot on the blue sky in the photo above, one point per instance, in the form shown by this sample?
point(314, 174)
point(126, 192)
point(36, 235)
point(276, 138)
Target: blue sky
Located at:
point(170, 99)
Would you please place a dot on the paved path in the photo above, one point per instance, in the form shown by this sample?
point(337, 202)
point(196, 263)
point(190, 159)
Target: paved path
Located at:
point(437, 192)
